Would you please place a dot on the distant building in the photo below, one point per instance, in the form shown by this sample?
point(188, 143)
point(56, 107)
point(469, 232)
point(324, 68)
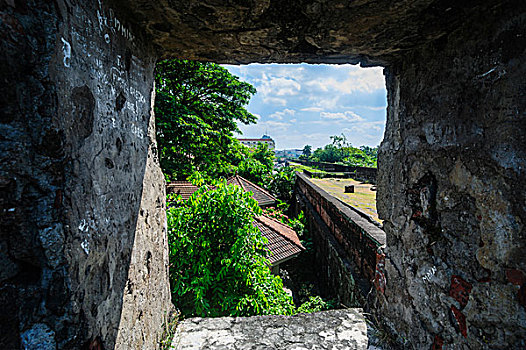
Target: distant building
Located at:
point(253, 143)
point(289, 153)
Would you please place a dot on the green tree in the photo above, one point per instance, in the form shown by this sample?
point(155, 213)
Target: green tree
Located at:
point(307, 151)
point(218, 263)
point(282, 183)
point(330, 154)
point(341, 151)
point(257, 165)
point(196, 107)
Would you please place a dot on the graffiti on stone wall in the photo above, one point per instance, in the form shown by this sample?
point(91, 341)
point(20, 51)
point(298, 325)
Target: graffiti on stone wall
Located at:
point(429, 274)
point(66, 50)
point(108, 21)
point(110, 72)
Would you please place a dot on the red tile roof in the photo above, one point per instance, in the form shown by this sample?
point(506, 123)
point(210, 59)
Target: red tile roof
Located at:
point(183, 188)
point(259, 194)
point(283, 242)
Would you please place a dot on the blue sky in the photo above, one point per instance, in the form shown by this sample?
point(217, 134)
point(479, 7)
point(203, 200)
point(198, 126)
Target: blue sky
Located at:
point(301, 104)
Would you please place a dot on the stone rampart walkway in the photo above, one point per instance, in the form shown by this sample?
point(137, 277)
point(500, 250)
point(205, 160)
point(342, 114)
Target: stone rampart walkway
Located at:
point(334, 329)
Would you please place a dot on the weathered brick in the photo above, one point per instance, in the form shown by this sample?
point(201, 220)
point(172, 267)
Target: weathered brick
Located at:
point(515, 276)
point(459, 290)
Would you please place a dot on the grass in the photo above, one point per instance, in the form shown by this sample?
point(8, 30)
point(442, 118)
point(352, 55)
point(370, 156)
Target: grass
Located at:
point(315, 172)
point(302, 167)
point(169, 328)
point(363, 198)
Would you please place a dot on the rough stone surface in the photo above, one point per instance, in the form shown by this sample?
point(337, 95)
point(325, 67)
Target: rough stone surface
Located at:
point(452, 179)
point(335, 329)
point(82, 249)
point(83, 252)
point(322, 31)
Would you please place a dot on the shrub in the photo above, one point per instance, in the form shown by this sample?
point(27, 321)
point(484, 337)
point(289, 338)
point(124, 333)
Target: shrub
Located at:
point(315, 304)
point(218, 263)
point(282, 183)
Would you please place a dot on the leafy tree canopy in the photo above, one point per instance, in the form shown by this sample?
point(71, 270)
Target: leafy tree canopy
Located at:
point(257, 165)
point(307, 151)
point(218, 263)
point(341, 151)
point(197, 106)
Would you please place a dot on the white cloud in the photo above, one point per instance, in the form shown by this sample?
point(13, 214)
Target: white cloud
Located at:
point(270, 127)
point(323, 101)
point(278, 86)
point(312, 109)
point(274, 124)
point(371, 108)
point(280, 114)
point(366, 126)
point(290, 140)
point(347, 116)
point(314, 122)
point(321, 92)
point(275, 101)
point(362, 80)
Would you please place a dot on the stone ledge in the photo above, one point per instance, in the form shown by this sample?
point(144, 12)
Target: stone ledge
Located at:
point(333, 329)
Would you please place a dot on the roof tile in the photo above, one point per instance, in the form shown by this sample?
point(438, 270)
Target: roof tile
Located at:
point(259, 194)
point(283, 242)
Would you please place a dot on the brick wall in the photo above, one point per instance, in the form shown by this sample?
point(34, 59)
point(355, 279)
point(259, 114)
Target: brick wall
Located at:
point(348, 246)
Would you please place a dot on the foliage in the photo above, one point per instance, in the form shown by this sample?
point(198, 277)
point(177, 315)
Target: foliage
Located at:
point(341, 151)
point(218, 263)
point(363, 156)
point(169, 328)
point(264, 155)
point(315, 304)
point(257, 165)
point(315, 173)
point(276, 214)
point(297, 224)
point(196, 107)
point(282, 182)
point(307, 151)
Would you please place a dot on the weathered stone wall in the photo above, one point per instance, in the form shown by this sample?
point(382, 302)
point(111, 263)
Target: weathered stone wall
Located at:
point(452, 187)
point(83, 251)
point(333, 329)
point(348, 246)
